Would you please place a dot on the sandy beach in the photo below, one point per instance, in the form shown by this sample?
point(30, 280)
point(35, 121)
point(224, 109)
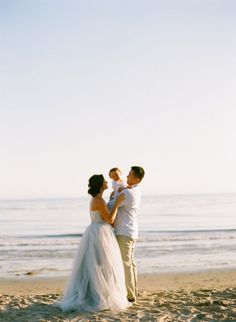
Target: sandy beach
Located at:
point(205, 296)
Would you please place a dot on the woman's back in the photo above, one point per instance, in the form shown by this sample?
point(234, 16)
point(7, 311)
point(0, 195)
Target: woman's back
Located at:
point(96, 217)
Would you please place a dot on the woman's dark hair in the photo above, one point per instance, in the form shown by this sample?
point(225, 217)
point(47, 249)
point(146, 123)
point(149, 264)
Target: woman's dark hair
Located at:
point(95, 184)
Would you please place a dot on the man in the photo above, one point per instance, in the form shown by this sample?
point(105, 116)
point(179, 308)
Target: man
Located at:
point(126, 229)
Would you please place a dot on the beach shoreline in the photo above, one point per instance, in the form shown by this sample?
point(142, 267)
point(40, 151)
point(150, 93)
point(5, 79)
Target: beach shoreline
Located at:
point(219, 279)
point(189, 281)
point(208, 295)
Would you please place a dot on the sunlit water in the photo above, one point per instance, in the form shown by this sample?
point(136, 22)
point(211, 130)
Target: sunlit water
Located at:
point(177, 233)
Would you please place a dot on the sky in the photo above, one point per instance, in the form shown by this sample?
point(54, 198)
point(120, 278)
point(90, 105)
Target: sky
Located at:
point(89, 85)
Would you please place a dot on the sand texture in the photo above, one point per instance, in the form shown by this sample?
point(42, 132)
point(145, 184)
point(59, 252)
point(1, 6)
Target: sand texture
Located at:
point(185, 299)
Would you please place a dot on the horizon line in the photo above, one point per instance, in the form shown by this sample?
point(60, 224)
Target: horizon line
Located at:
point(85, 197)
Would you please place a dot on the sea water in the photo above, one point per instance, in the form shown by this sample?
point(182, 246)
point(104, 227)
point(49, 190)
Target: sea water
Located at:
point(177, 233)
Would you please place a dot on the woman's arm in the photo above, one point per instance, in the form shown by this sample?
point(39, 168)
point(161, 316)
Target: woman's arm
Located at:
point(105, 214)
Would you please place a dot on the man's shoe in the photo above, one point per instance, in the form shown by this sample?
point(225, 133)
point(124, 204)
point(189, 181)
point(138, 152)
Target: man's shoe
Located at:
point(131, 300)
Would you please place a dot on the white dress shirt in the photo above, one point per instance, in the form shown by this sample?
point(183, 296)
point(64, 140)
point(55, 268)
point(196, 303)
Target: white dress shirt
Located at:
point(126, 222)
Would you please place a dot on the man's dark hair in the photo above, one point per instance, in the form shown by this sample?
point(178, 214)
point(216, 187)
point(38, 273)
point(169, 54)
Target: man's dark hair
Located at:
point(138, 172)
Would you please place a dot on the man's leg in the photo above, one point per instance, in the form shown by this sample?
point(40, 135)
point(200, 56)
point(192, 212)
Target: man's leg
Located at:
point(134, 270)
point(127, 248)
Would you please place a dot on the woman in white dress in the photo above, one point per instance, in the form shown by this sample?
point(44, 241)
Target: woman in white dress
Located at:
point(97, 281)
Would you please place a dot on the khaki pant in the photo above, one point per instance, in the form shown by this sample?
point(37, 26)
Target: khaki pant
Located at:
point(127, 253)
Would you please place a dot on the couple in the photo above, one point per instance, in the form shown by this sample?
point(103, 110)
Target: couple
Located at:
point(104, 274)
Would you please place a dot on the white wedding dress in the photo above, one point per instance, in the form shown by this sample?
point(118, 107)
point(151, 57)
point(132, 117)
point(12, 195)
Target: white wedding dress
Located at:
point(97, 281)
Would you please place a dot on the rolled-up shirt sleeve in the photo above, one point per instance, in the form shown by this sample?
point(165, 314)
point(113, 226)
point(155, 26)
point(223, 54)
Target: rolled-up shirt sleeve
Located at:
point(125, 202)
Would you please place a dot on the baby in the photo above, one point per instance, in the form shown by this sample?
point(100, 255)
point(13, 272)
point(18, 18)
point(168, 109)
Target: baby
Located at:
point(117, 185)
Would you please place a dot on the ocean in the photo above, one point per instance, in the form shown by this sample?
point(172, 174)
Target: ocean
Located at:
point(178, 233)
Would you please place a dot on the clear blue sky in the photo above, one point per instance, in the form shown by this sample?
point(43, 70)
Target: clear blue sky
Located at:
point(89, 85)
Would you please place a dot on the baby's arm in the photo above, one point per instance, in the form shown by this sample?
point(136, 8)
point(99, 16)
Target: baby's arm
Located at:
point(112, 195)
point(122, 188)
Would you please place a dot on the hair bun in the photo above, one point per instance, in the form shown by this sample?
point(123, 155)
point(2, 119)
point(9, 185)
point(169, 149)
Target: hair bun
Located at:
point(95, 184)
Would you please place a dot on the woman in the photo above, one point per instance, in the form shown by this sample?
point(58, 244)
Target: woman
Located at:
point(97, 281)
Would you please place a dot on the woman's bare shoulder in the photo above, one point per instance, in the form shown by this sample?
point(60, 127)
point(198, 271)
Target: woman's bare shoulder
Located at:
point(97, 203)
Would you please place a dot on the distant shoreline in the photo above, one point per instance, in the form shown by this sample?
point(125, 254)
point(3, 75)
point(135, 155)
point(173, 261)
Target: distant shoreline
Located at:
point(24, 198)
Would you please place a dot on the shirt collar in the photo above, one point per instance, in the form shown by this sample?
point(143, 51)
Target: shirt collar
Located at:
point(135, 185)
